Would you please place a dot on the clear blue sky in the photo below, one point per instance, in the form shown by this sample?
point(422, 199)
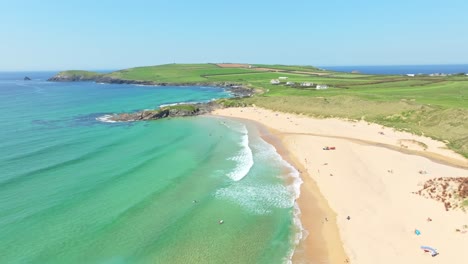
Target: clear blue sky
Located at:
point(105, 34)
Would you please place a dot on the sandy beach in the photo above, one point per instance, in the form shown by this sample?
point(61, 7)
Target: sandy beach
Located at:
point(372, 175)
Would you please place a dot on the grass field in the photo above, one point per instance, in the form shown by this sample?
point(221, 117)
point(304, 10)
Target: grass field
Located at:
point(433, 106)
point(84, 74)
point(176, 73)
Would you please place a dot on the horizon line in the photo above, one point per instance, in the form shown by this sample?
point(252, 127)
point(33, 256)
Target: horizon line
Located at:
point(310, 65)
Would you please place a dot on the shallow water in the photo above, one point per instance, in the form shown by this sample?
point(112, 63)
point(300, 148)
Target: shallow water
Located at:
point(74, 189)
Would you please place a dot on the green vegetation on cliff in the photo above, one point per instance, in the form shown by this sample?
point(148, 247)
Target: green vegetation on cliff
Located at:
point(181, 107)
point(435, 106)
point(79, 75)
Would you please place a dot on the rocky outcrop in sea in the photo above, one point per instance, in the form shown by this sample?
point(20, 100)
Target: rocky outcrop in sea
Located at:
point(181, 110)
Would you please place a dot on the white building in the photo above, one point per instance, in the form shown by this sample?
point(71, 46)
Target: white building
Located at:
point(306, 84)
point(410, 74)
point(321, 87)
point(283, 78)
point(290, 83)
point(275, 81)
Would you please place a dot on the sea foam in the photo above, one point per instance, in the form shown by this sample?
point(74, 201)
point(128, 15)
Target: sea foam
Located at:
point(179, 103)
point(294, 189)
point(244, 158)
point(258, 199)
point(105, 119)
point(255, 195)
point(265, 152)
point(188, 102)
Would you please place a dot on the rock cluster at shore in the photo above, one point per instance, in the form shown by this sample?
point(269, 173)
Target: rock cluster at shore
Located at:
point(181, 110)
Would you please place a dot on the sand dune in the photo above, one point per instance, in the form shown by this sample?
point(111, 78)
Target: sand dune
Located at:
point(371, 176)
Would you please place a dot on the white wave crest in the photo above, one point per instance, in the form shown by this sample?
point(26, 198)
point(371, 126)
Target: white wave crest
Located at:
point(257, 199)
point(105, 119)
point(267, 153)
point(299, 235)
point(244, 159)
point(187, 102)
point(180, 103)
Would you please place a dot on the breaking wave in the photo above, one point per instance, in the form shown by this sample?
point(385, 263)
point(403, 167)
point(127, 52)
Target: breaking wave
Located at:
point(244, 159)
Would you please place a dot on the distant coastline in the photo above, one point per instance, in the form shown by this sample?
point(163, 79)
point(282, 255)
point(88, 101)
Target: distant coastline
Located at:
point(402, 69)
point(435, 100)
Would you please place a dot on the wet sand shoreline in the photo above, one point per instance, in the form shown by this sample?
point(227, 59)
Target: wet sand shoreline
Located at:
point(371, 176)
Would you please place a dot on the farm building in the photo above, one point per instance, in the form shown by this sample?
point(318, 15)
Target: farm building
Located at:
point(275, 81)
point(307, 84)
point(321, 87)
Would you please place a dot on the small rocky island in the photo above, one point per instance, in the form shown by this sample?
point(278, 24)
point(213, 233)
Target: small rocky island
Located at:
point(26, 78)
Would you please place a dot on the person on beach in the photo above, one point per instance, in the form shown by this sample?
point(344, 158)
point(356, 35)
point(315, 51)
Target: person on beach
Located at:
point(349, 218)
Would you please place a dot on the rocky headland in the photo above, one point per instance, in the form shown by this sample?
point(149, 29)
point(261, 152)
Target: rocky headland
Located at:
point(79, 76)
point(178, 110)
point(75, 76)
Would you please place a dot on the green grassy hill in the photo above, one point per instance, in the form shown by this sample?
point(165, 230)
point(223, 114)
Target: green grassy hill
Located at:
point(433, 106)
point(182, 73)
point(78, 75)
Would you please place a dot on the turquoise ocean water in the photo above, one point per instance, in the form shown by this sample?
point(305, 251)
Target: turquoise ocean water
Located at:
point(74, 189)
